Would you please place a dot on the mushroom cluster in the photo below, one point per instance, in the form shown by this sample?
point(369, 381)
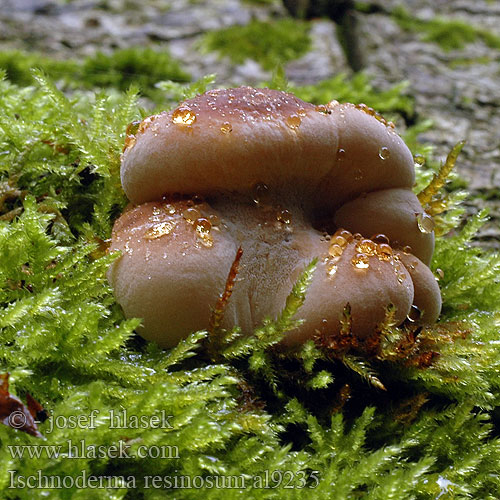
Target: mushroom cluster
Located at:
point(287, 181)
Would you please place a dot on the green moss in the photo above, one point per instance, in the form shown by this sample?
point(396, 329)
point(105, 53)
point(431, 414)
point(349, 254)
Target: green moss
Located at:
point(469, 61)
point(268, 43)
point(141, 67)
point(18, 64)
point(448, 33)
point(251, 412)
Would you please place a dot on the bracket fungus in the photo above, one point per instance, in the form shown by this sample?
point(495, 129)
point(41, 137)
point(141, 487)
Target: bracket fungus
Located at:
point(287, 181)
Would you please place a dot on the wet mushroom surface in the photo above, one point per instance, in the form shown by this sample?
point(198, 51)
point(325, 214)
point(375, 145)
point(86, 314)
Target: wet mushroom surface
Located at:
point(287, 182)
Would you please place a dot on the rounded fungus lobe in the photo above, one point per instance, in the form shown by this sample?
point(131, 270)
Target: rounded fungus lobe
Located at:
point(276, 172)
point(201, 157)
point(171, 271)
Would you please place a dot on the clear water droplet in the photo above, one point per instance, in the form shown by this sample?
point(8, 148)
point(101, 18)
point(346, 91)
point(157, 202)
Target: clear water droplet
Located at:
point(260, 193)
point(419, 159)
point(425, 223)
point(414, 314)
point(214, 220)
point(384, 153)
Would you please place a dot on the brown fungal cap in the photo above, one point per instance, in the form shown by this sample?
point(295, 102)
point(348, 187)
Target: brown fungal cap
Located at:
point(230, 140)
point(276, 172)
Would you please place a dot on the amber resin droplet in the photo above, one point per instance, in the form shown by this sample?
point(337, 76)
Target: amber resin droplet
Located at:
point(130, 141)
point(340, 154)
point(191, 214)
point(170, 209)
point(339, 240)
point(183, 116)
point(321, 108)
point(146, 123)
point(367, 247)
point(284, 216)
point(207, 240)
point(159, 230)
point(293, 121)
point(370, 111)
point(226, 128)
point(133, 127)
point(360, 261)
point(203, 225)
point(380, 238)
point(335, 250)
point(425, 223)
point(384, 251)
point(347, 235)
